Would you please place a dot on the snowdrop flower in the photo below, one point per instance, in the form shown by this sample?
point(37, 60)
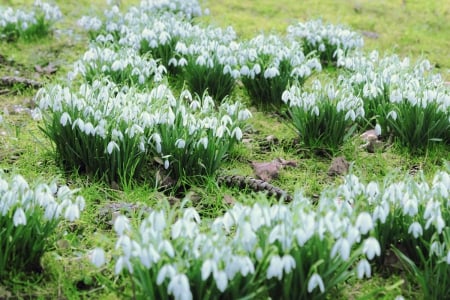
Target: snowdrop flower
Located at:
point(315, 281)
point(392, 114)
point(372, 190)
point(447, 259)
point(380, 213)
point(271, 72)
point(410, 206)
point(371, 248)
point(167, 271)
point(342, 246)
point(209, 266)
point(19, 217)
point(180, 143)
point(179, 287)
point(65, 118)
point(221, 280)
point(378, 129)
point(111, 147)
point(415, 229)
point(278, 264)
point(275, 268)
point(121, 224)
point(363, 269)
point(237, 133)
point(72, 212)
point(97, 257)
point(203, 141)
point(123, 262)
point(364, 222)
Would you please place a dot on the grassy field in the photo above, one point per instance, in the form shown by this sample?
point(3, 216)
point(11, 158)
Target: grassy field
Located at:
point(408, 28)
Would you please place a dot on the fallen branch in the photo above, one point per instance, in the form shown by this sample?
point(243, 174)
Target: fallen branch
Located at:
point(257, 185)
point(12, 80)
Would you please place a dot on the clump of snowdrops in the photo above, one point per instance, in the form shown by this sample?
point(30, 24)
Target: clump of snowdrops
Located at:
point(123, 66)
point(285, 251)
point(268, 64)
point(324, 117)
point(29, 216)
point(326, 41)
point(408, 217)
point(37, 23)
point(113, 131)
point(408, 100)
point(212, 64)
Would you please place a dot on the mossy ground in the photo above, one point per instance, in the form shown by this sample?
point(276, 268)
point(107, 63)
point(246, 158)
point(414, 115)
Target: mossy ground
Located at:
point(410, 28)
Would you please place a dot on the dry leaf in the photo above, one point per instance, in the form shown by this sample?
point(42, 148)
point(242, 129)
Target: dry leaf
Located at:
point(268, 170)
point(339, 166)
point(48, 69)
point(228, 199)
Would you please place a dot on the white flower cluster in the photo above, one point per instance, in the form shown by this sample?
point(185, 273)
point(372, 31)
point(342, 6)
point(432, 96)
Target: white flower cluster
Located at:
point(187, 8)
point(269, 237)
point(103, 110)
point(209, 46)
point(122, 66)
point(17, 198)
point(340, 96)
point(264, 54)
point(235, 244)
point(51, 12)
point(319, 36)
point(140, 16)
point(22, 20)
point(394, 78)
point(418, 205)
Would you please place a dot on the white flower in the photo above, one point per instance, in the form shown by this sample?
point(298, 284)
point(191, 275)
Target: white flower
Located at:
point(237, 133)
point(343, 247)
point(121, 224)
point(378, 129)
point(166, 164)
point(19, 217)
point(363, 269)
point(72, 212)
point(392, 114)
point(364, 222)
point(65, 118)
point(97, 257)
point(209, 266)
point(316, 281)
point(278, 264)
point(203, 141)
point(448, 257)
point(371, 248)
point(410, 206)
point(179, 287)
point(111, 147)
point(122, 262)
point(275, 268)
point(380, 213)
point(288, 263)
point(415, 229)
point(167, 271)
point(271, 72)
point(180, 143)
point(221, 280)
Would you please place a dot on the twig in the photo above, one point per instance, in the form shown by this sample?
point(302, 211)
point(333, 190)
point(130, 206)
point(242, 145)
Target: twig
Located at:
point(12, 80)
point(254, 184)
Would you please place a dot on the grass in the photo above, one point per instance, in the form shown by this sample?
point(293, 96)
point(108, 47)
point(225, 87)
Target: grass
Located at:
point(408, 28)
point(412, 28)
